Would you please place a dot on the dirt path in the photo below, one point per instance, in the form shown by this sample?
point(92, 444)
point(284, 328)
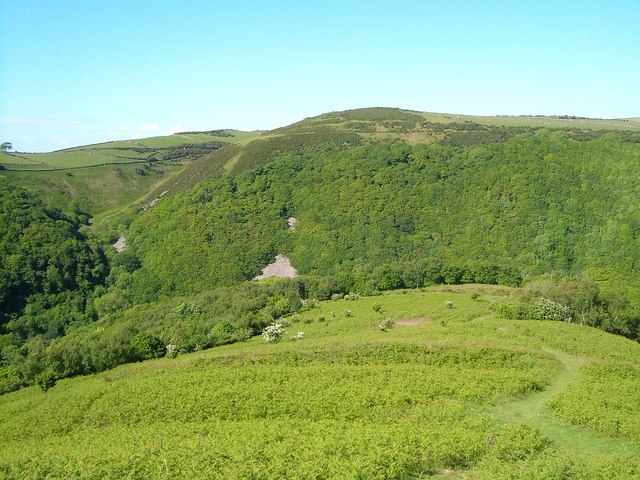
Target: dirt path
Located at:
point(533, 411)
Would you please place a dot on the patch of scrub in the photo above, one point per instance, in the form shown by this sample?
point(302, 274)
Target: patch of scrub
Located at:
point(280, 267)
point(292, 223)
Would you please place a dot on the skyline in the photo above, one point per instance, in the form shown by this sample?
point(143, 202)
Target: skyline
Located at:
point(77, 73)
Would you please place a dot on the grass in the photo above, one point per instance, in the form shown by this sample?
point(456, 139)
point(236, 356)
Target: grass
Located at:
point(97, 190)
point(455, 393)
point(117, 152)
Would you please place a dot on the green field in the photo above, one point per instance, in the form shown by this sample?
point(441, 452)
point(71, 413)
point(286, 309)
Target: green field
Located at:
point(125, 151)
point(436, 396)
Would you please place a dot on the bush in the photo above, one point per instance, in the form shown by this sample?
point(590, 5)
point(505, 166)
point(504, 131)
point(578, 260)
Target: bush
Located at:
point(46, 379)
point(188, 308)
point(547, 310)
point(10, 380)
point(147, 346)
point(377, 307)
point(172, 351)
point(273, 333)
point(386, 325)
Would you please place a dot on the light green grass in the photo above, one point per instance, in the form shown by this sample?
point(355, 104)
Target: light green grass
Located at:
point(125, 151)
point(454, 393)
point(97, 191)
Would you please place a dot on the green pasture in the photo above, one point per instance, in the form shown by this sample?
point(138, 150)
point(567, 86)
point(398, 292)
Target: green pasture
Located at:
point(125, 151)
point(448, 392)
point(93, 190)
point(177, 139)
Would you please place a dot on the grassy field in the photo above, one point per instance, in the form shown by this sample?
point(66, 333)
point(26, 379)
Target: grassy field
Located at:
point(448, 392)
point(93, 190)
point(125, 152)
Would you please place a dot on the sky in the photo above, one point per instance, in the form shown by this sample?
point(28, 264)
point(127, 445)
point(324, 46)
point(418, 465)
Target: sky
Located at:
point(76, 72)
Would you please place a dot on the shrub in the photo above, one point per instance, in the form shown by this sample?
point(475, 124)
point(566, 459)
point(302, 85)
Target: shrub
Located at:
point(46, 379)
point(377, 307)
point(188, 308)
point(448, 304)
point(547, 310)
point(298, 336)
point(511, 310)
point(147, 346)
point(273, 333)
point(10, 379)
point(386, 325)
point(348, 313)
point(172, 351)
point(308, 304)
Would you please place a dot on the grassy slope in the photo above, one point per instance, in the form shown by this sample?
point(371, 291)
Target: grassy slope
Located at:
point(102, 189)
point(348, 401)
point(125, 151)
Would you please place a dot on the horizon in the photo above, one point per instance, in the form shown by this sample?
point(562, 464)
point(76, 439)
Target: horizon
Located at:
point(87, 74)
point(184, 132)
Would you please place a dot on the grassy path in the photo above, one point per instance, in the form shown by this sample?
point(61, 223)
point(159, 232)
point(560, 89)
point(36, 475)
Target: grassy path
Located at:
point(532, 411)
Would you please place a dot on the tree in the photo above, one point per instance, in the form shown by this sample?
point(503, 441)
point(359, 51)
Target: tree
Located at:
point(6, 146)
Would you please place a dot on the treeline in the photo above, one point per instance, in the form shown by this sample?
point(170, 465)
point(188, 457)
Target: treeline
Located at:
point(576, 301)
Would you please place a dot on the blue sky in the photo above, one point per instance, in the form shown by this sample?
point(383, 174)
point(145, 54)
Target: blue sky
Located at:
point(76, 72)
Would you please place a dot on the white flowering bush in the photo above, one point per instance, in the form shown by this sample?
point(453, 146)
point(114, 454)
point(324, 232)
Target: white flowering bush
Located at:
point(273, 333)
point(547, 310)
point(386, 325)
point(172, 351)
point(308, 304)
point(298, 336)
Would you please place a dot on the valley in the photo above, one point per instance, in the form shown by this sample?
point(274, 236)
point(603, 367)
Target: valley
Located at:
point(459, 294)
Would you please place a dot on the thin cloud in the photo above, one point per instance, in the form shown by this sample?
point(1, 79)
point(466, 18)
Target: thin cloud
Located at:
point(29, 121)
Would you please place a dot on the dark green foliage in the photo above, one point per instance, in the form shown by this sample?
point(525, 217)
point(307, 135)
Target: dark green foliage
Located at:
point(46, 379)
point(147, 346)
point(386, 215)
point(262, 152)
point(48, 269)
point(577, 301)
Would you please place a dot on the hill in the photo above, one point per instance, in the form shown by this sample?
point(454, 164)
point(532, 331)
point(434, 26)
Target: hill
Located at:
point(384, 199)
point(448, 391)
point(95, 180)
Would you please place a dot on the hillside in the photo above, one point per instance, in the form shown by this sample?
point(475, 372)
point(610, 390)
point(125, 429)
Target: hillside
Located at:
point(449, 391)
point(103, 178)
point(384, 199)
point(520, 203)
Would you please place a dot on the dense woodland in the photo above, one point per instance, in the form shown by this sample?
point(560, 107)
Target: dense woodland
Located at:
point(553, 209)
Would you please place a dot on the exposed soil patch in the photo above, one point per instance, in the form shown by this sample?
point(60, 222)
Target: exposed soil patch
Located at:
point(121, 244)
point(281, 267)
point(410, 322)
